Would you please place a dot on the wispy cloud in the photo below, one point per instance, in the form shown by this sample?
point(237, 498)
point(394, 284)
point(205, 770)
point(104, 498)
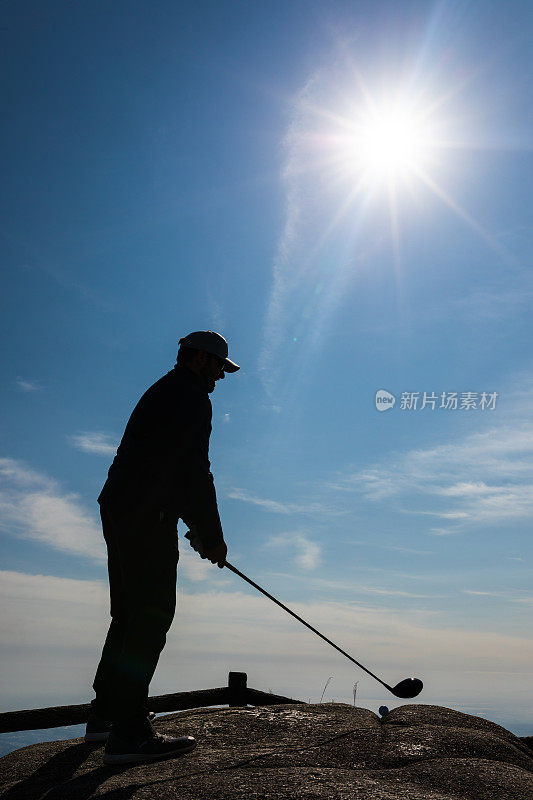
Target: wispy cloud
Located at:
point(499, 458)
point(307, 284)
point(356, 589)
point(269, 505)
point(277, 507)
point(521, 597)
point(307, 552)
point(23, 476)
point(490, 502)
point(395, 548)
point(24, 385)
point(33, 506)
point(492, 306)
point(96, 443)
point(391, 592)
point(218, 630)
point(217, 315)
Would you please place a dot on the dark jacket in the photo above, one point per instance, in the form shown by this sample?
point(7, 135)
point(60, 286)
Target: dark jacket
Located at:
point(162, 462)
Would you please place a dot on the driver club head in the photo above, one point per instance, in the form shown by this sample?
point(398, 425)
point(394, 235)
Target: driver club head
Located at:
point(409, 687)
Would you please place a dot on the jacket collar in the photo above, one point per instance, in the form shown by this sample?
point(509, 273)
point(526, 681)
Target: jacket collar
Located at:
point(187, 374)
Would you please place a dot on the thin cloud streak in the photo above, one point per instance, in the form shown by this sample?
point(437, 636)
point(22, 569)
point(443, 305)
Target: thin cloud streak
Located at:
point(276, 507)
point(492, 307)
point(96, 443)
point(392, 592)
point(305, 289)
point(506, 597)
point(355, 588)
point(396, 548)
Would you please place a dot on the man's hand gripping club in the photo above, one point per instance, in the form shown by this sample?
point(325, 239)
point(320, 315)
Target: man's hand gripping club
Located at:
point(216, 555)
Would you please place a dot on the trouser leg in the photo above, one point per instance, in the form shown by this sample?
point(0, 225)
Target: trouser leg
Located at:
point(104, 681)
point(142, 564)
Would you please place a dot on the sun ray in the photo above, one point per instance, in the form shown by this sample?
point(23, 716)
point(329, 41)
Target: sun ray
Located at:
point(395, 231)
point(493, 243)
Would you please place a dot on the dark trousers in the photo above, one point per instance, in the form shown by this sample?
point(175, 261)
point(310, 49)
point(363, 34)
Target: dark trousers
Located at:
point(142, 565)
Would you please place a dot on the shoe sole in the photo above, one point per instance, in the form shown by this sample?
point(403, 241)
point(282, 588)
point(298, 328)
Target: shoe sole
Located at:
point(137, 758)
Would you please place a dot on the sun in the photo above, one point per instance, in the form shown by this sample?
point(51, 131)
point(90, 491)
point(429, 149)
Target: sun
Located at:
point(363, 147)
point(389, 142)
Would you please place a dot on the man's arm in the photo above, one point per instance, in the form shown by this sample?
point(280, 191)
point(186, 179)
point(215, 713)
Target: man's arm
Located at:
point(199, 507)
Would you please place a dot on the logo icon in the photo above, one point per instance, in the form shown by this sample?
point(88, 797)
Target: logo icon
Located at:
point(384, 400)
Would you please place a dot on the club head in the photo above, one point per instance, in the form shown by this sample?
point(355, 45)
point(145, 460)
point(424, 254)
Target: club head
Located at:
point(410, 687)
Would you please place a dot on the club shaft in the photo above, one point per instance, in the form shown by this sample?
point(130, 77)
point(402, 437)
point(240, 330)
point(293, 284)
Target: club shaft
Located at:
point(307, 625)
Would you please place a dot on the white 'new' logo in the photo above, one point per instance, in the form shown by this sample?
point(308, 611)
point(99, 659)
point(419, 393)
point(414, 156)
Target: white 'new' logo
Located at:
point(384, 400)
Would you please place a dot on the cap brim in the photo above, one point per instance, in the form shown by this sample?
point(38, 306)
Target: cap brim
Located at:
point(230, 366)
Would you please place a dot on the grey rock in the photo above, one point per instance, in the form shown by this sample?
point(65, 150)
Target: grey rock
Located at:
point(294, 752)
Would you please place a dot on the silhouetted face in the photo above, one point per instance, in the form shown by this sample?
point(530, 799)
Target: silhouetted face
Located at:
point(212, 371)
point(208, 367)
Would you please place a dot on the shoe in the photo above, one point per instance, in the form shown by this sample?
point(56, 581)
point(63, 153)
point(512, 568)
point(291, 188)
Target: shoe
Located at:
point(98, 729)
point(120, 750)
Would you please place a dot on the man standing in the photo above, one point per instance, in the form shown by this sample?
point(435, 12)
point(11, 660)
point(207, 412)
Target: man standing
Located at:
point(161, 473)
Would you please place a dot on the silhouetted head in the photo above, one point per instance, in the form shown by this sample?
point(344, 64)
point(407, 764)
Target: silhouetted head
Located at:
point(206, 354)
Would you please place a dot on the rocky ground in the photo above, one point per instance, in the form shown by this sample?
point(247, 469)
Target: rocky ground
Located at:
point(330, 750)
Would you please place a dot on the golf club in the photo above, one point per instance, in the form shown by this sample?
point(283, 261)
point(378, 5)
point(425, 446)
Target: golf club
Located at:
point(409, 687)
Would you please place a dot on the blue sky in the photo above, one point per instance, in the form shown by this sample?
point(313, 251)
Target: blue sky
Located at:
point(170, 167)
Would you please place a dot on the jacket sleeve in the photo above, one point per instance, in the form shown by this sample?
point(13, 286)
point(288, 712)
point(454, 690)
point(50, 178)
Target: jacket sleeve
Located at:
point(199, 497)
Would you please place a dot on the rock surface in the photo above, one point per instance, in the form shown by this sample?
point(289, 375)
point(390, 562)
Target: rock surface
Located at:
point(331, 751)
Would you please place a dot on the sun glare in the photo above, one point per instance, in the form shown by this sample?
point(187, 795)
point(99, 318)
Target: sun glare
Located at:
point(389, 142)
point(368, 149)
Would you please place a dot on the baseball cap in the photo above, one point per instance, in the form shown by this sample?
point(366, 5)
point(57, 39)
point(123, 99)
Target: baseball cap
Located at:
point(212, 343)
